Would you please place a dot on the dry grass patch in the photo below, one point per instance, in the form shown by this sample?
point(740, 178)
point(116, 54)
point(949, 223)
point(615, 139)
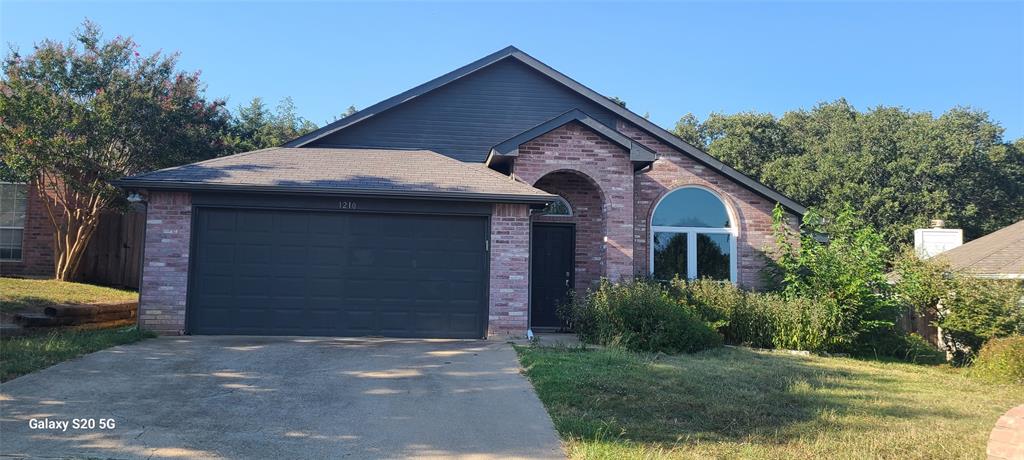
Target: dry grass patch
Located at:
point(739, 403)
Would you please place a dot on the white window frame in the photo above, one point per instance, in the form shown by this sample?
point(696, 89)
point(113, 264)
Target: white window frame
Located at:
point(691, 236)
point(22, 228)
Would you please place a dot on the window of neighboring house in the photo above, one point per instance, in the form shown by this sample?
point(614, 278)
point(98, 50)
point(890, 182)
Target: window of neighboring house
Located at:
point(692, 236)
point(559, 207)
point(13, 202)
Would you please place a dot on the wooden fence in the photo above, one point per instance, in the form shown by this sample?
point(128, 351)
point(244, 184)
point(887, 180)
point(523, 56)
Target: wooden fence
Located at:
point(114, 256)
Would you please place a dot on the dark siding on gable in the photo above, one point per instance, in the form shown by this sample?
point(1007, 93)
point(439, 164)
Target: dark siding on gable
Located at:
point(464, 119)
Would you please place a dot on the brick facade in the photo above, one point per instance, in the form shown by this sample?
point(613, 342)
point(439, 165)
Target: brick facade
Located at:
point(611, 204)
point(673, 170)
point(510, 270)
point(576, 148)
point(587, 215)
point(586, 169)
point(36, 244)
point(165, 265)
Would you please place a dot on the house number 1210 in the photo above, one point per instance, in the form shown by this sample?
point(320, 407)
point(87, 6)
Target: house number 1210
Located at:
point(347, 204)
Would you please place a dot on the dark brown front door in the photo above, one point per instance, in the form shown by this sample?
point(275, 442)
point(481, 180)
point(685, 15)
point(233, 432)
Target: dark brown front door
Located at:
point(551, 273)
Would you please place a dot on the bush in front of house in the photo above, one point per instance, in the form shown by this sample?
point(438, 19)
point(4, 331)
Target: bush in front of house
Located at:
point(1001, 360)
point(976, 310)
point(639, 316)
point(762, 320)
point(969, 310)
point(839, 284)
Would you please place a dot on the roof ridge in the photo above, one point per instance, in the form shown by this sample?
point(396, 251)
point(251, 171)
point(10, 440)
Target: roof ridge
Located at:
point(511, 52)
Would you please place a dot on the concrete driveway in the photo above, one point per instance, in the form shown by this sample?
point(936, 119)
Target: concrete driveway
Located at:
point(260, 397)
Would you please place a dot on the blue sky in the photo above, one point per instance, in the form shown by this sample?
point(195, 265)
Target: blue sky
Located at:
point(666, 59)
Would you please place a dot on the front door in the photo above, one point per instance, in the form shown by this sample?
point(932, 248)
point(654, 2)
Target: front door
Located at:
point(551, 273)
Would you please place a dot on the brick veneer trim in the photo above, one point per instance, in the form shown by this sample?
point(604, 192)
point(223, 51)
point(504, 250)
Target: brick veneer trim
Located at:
point(509, 300)
point(164, 290)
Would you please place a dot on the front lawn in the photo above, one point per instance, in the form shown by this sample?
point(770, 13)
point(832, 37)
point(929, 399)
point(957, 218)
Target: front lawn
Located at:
point(734, 402)
point(26, 294)
point(21, 355)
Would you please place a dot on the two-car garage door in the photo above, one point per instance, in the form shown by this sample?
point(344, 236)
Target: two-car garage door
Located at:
point(274, 272)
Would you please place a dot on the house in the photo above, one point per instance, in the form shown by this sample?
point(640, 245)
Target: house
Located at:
point(998, 255)
point(466, 207)
point(112, 257)
point(26, 234)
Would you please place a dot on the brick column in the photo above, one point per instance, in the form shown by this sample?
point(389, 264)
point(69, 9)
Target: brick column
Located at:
point(510, 271)
point(165, 265)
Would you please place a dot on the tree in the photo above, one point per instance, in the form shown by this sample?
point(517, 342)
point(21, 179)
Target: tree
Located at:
point(78, 115)
point(899, 168)
point(257, 127)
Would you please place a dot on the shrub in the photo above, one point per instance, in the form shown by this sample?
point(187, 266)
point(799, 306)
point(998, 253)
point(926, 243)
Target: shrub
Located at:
point(1000, 360)
point(802, 323)
point(639, 316)
point(840, 284)
point(715, 301)
point(976, 310)
point(763, 320)
point(752, 323)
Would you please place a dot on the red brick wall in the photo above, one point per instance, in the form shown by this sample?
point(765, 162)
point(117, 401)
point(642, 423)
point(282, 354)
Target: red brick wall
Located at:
point(588, 216)
point(510, 270)
point(37, 242)
point(673, 170)
point(574, 147)
point(165, 264)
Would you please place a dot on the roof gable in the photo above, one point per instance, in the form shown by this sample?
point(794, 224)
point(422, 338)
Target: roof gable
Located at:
point(595, 104)
point(467, 117)
point(509, 149)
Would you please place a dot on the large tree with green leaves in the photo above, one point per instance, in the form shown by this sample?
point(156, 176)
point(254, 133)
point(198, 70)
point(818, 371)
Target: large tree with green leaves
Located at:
point(77, 115)
point(257, 127)
point(898, 168)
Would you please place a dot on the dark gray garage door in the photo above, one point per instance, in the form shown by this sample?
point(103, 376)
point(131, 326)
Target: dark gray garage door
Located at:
point(338, 274)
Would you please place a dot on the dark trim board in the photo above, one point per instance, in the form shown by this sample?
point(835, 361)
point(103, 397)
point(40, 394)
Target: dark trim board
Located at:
point(198, 210)
point(347, 203)
point(136, 184)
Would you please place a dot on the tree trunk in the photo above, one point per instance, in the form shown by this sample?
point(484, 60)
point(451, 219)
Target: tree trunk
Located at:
point(74, 216)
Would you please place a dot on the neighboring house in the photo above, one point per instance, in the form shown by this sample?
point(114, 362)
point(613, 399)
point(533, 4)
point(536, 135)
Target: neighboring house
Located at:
point(26, 234)
point(465, 207)
point(112, 257)
point(998, 255)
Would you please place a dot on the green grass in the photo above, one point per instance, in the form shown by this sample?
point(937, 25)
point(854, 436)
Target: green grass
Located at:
point(22, 355)
point(23, 294)
point(739, 403)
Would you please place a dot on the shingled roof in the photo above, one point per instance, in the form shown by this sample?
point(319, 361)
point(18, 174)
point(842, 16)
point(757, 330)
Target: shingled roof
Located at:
point(403, 173)
point(512, 52)
point(999, 254)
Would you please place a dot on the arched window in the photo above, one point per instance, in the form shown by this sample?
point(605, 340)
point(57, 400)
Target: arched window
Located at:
point(692, 236)
point(559, 207)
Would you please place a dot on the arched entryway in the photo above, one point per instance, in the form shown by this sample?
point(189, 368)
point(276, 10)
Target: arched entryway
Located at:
point(568, 250)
